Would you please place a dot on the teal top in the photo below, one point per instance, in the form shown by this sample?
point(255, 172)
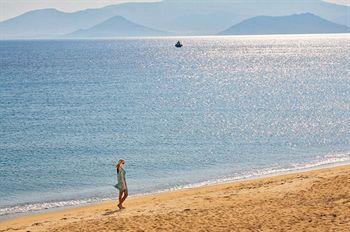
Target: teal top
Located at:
point(121, 177)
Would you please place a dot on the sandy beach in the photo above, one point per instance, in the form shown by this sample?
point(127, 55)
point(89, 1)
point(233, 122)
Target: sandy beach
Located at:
point(317, 200)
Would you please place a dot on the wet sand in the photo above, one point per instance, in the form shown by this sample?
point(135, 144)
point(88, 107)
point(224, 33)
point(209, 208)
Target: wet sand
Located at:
point(317, 200)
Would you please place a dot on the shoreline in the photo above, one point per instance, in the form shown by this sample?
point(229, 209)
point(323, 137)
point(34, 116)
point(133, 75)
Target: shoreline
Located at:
point(98, 200)
point(80, 215)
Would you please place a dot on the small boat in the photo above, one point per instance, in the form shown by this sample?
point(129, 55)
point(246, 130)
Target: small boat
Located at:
point(178, 44)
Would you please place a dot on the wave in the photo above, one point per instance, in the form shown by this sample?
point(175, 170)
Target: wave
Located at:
point(46, 205)
point(327, 160)
point(321, 161)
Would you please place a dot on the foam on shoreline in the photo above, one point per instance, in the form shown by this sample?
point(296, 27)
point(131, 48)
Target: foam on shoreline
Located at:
point(329, 160)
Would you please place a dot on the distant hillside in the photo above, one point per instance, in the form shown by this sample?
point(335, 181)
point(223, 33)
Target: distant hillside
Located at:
point(176, 16)
point(203, 24)
point(48, 23)
point(293, 24)
point(116, 26)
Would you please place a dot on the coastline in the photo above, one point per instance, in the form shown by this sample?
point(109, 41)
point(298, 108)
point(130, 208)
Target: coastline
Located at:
point(333, 161)
point(164, 210)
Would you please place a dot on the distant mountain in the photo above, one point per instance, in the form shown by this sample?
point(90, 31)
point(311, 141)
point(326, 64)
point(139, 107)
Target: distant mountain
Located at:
point(293, 24)
point(177, 16)
point(181, 16)
point(48, 23)
point(203, 24)
point(116, 26)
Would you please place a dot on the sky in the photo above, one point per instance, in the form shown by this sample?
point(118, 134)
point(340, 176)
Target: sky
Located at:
point(12, 8)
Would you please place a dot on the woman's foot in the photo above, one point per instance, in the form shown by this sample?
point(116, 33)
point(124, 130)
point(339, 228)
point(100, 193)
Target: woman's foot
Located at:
point(120, 206)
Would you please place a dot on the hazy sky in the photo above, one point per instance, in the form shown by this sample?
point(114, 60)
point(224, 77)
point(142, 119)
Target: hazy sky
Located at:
point(12, 8)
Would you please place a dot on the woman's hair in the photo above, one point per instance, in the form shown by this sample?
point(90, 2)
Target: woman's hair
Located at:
point(118, 164)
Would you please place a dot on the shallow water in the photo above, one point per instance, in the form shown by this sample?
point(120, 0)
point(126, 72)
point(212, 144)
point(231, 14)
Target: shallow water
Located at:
point(219, 108)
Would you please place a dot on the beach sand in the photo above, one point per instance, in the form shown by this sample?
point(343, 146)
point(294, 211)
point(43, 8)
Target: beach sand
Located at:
point(317, 200)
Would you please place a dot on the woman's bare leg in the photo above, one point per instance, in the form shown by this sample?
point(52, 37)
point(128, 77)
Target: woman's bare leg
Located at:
point(120, 199)
point(125, 196)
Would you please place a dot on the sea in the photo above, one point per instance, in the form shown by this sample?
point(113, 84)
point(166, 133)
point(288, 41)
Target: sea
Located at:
point(221, 108)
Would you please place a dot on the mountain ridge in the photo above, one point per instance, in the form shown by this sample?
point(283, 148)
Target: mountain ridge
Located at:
point(305, 23)
point(116, 26)
point(178, 17)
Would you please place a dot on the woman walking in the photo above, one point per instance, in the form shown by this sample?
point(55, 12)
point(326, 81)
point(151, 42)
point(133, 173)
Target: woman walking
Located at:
point(123, 188)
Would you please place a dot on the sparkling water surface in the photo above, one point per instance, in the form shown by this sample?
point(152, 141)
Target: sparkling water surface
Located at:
point(219, 108)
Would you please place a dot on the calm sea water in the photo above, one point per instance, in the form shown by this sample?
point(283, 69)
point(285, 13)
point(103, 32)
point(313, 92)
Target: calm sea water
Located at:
point(220, 108)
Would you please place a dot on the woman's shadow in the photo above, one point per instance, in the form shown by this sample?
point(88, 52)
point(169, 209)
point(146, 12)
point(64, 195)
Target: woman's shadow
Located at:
point(110, 212)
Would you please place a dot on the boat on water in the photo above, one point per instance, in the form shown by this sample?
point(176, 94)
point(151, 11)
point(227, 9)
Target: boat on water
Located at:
point(178, 44)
